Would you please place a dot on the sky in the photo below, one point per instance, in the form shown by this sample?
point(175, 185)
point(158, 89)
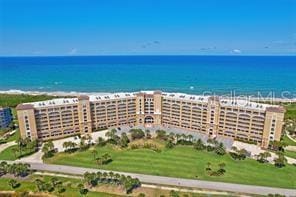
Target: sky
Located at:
point(150, 27)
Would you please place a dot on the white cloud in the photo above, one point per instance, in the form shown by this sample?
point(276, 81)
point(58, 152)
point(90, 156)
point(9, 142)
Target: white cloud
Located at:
point(73, 51)
point(236, 51)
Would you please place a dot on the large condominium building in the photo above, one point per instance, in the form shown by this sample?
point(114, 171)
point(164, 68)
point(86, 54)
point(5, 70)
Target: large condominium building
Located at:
point(5, 117)
point(213, 116)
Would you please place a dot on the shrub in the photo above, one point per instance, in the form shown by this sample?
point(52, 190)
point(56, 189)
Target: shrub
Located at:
point(169, 144)
point(161, 134)
point(198, 145)
point(137, 134)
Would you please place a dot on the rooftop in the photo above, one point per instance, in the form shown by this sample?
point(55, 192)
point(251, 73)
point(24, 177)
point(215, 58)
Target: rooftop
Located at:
point(226, 102)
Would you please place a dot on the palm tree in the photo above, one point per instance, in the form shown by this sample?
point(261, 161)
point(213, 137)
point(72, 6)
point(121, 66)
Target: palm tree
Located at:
point(55, 181)
point(111, 134)
point(15, 150)
point(172, 136)
point(66, 145)
point(220, 150)
point(117, 177)
point(198, 145)
point(12, 183)
point(99, 176)
point(190, 137)
point(234, 149)
point(147, 133)
point(94, 152)
point(3, 168)
point(83, 191)
point(222, 165)
point(208, 166)
point(280, 161)
point(178, 136)
point(99, 160)
point(40, 185)
point(262, 157)
point(183, 136)
point(111, 176)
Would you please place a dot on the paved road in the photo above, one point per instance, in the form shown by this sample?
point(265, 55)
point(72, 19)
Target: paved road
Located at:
point(170, 181)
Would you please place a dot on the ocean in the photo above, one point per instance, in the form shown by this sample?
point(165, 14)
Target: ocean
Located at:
point(239, 75)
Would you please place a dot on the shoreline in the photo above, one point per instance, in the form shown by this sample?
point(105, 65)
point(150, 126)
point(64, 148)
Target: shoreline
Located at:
point(75, 94)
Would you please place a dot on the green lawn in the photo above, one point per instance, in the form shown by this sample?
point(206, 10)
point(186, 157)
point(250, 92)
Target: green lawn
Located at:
point(29, 185)
point(8, 153)
point(185, 162)
point(291, 154)
point(288, 141)
point(14, 137)
point(290, 111)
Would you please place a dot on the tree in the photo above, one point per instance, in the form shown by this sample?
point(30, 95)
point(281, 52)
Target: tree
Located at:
point(111, 133)
point(190, 137)
point(3, 168)
point(280, 161)
point(169, 144)
point(13, 183)
point(161, 134)
point(40, 185)
point(234, 148)
point(220, 150)
point(137, 134)
point(208, 166)
point(94, 152)
point(61, 188)
point(83, 191)
point(173, 193)
point(19, 169)
point(69, 146)
point(148, 134)
point(55, 181)
point(104, 159)
point(184, 137)
point(100, 141)
point(48, 149)
point(15, 150)
point(199, 145)
point(277, 145)
point(171, 136)
point(123, 142)
point(222, 167)
point(262, 157)
point(178, 136)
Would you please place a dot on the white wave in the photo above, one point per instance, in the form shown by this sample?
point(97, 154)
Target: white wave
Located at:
point(53, 93)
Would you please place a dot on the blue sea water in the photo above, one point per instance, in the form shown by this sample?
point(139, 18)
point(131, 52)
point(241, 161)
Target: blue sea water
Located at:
point(189, 74)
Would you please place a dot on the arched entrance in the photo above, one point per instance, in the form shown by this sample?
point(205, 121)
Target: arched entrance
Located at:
point(148, 121)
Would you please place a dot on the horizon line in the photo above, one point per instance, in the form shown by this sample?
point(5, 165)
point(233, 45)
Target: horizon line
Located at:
point(151, 55)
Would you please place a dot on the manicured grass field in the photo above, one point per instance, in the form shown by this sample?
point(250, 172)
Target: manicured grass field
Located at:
point(8, 153)
point(291, 154)
point(288, 141)
point(14, 137)
point(185, 162)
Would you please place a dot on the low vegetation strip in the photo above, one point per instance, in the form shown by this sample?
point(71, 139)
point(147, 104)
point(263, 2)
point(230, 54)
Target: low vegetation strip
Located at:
point(12, 100)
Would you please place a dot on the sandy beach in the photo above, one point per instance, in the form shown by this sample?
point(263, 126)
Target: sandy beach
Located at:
point(75, 94)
